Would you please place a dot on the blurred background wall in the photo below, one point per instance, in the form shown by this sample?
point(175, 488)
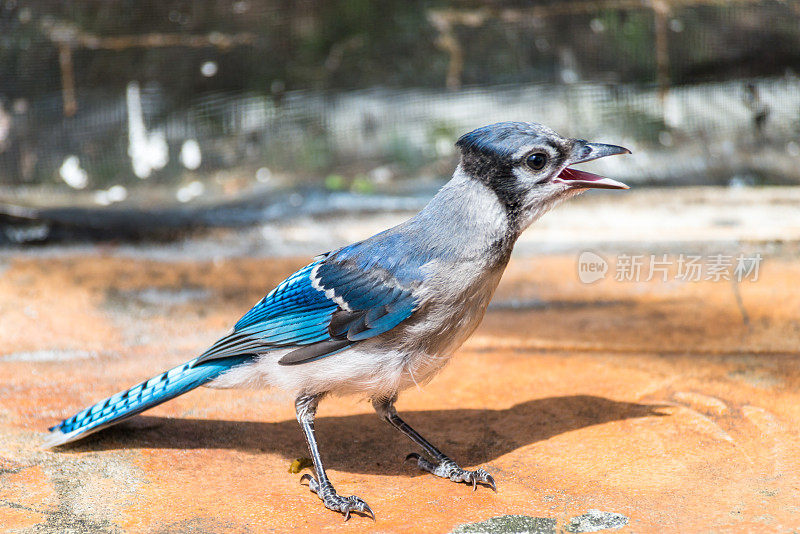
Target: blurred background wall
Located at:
point(143, 104)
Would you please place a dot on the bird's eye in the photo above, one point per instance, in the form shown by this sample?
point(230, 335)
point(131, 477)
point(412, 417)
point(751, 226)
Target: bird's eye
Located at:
point(537, 161)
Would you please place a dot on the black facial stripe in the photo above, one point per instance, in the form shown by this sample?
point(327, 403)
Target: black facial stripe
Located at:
point(559, 154)
point(551, 144)
point(558, 160)
point(499, 178)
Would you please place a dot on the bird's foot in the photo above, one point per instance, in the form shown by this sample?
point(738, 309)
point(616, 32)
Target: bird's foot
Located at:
point(447, 468)
point(334, 501)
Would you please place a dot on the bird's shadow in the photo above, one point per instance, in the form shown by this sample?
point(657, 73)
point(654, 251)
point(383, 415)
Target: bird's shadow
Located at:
point(363, 444)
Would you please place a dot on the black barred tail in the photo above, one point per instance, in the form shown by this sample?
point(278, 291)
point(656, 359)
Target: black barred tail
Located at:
point(139, 398)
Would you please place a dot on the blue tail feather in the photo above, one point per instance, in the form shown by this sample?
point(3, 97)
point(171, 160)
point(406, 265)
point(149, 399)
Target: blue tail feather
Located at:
point(140, 397)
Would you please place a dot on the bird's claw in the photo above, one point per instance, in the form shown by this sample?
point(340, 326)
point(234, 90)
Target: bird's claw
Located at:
point(447, 468)
point(334, 501)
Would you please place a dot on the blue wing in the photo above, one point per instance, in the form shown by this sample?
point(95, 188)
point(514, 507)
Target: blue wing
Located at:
point(321, 309)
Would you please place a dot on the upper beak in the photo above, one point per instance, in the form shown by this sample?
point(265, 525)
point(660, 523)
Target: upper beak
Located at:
point(587, 152)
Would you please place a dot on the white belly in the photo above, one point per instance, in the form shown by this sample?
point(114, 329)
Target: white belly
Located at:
point(364, 369)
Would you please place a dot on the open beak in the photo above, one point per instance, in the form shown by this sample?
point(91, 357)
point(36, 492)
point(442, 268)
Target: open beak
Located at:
point(582, 179)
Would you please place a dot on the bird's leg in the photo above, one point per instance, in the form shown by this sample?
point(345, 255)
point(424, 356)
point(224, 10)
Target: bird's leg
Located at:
point(306, 407)
point(443, 466)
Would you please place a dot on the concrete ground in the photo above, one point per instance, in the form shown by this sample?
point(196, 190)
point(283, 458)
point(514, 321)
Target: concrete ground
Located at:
point(640, 406)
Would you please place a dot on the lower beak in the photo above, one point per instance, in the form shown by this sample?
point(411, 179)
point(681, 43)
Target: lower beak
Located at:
point(582, 180)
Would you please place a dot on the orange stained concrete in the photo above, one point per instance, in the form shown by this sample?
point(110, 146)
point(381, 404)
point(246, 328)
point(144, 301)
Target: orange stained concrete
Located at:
point(674, 404)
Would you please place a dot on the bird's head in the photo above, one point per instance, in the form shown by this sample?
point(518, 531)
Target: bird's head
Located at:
point(527, 166)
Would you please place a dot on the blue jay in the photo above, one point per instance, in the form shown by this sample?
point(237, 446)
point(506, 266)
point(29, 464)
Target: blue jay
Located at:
point(383, 314)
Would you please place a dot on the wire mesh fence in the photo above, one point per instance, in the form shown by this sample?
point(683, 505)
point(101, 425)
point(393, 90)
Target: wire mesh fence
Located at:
point(102, 102)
